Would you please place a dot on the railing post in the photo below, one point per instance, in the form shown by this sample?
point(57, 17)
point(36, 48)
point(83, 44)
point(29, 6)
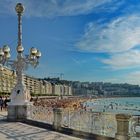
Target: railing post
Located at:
point(122, 127)
point(19, 112)
point(57, 118)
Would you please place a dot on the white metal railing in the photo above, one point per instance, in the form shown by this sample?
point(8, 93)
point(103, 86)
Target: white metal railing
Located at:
point(92, 122)
point(100, 123)
point(43, 114)
point(135, 127)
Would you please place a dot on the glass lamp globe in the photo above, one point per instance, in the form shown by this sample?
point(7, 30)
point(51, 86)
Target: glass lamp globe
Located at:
point(20, 49)
point(33, 51)
point(6, 49)
point(19, 8)
point(1, 52)
point(7, 55)
point(38, 54)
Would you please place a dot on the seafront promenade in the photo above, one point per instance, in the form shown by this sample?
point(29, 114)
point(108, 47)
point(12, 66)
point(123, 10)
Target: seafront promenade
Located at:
point(21, 131)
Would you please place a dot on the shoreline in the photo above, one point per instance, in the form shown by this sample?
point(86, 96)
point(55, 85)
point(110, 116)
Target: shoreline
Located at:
point(76, 103)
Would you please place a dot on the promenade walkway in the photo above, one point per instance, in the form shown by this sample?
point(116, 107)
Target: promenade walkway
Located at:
point(21, 131)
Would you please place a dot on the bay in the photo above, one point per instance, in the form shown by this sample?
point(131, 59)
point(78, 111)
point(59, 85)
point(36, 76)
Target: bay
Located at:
point(127, 105)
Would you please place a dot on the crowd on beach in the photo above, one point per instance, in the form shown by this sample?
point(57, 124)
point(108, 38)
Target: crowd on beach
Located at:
point(75, 103)
point(67, 103)
point(4, 103)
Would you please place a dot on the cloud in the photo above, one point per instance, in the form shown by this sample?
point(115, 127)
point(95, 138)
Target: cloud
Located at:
point(79, 61)
point(131, 78)
point(119, 35)
point(120, 39)
point(129, 59)
point(53, 8)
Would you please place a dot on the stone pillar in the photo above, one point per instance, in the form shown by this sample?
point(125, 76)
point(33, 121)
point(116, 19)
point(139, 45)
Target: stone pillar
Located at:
point(57, 118)
point(18, 112)
point(19, 107)
point(122, 127)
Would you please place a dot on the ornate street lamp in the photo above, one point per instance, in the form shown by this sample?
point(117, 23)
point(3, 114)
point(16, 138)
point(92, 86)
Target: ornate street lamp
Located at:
point(20, 94)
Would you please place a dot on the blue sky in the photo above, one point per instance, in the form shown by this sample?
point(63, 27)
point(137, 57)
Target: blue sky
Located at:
point(87, 40)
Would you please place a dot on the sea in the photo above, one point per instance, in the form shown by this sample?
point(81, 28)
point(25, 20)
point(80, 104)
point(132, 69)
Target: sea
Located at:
point(127, 105)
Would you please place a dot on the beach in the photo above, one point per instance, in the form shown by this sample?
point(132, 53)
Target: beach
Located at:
point(75, 103)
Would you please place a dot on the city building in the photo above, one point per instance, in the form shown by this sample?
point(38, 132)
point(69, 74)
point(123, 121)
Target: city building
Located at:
point(60, 89)
point(7, 80)
point(35, 85)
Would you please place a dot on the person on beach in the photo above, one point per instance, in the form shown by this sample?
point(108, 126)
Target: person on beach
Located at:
point(6, 100)
point(1, 103)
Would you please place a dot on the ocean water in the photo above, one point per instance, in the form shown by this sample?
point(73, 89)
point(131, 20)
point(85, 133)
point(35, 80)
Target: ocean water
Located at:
point(127, 105)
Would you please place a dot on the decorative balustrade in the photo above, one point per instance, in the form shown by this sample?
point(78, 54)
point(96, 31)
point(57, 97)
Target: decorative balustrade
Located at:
point(43, 114)
point(107, 124)
point(135, 127)
point(92, 122)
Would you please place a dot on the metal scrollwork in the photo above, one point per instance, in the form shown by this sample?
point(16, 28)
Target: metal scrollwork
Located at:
point(135, 126)
point(92, 122)
point(43, 114)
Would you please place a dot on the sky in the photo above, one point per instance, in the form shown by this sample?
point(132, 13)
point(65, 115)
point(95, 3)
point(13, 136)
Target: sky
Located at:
point(86, 40)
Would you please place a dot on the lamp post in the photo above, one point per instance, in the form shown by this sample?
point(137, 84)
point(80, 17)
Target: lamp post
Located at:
point(20, 94)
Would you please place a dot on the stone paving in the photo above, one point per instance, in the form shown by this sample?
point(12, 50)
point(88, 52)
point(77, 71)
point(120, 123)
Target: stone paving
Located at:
point(21, 131)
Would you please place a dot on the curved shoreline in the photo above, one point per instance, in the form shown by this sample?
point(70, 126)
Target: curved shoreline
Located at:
point(76, 103)
point(125, 104)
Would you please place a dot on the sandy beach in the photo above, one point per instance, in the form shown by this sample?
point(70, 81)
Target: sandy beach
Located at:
point(69, 103)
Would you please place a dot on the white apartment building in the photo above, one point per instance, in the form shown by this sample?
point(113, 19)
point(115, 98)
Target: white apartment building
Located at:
point(34, 85)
